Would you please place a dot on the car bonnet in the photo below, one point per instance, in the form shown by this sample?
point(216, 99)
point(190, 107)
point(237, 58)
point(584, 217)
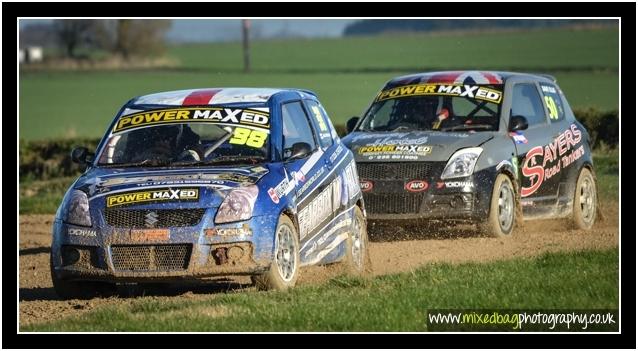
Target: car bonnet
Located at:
point(411, 146)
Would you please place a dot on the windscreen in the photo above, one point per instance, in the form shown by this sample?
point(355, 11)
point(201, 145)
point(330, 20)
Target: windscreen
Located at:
point(442, 107)
point(188, 136)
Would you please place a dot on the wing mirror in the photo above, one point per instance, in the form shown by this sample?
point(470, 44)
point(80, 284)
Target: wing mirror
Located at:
point(352, 122)
point(299, 150)
point(518, 123)
point(82, 156)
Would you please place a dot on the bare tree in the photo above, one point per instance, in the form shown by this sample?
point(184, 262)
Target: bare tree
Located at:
point(72, 33)
point(132, 37)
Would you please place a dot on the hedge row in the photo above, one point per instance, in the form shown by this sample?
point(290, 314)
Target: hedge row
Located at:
point(51, 158)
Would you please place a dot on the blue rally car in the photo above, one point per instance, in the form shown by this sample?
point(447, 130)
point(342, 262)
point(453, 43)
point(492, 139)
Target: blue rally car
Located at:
point(212, 182)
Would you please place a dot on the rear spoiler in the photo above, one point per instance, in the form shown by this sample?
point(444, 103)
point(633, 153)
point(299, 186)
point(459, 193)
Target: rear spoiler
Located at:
point(548, 76)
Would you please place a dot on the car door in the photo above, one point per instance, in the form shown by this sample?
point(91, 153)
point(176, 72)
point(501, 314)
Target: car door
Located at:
point(310, 175)
point(567, 136)
point(537, 154)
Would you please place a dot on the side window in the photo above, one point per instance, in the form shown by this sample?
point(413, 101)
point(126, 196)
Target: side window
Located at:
point(321, 121)
point(551, 95)
point(297, 128)
point(527, 103)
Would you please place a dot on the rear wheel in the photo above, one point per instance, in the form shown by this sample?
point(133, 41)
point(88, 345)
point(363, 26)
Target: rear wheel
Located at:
point(357, 258)
point(585, 200)
point(500, 220)
point(284, 269)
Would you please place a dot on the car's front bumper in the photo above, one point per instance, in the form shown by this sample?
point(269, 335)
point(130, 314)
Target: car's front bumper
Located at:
point(189, 253)
point(465, 199)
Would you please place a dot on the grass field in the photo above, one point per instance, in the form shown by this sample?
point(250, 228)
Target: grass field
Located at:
point(533, 50)
point(346, 74)
point(576, 280)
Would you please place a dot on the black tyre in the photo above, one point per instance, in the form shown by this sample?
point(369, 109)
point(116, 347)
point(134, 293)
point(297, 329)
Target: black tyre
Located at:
point(502, 211)
point(585, 200)
point(357, 258)
point(284, 269)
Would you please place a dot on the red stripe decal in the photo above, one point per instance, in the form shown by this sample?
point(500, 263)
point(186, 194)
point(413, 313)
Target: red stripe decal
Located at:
point(200, 97)
point(445, 78)
point(491, 78)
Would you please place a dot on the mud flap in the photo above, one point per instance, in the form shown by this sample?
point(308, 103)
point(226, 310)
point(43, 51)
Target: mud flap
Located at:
point(519, 207)
point(600, 216)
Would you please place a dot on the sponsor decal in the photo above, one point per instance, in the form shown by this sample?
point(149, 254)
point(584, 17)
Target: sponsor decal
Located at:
point(459, 184)
point(518, 137)
point(278, 191)
point(322, 239)
point(320, 208)
point(398, 139)
point(152, 195)
point(440, 185)
point(317, 113)
point(220, 115)
point(141, 235)
point(395, 152)
point(416, 186)
point(461, 90)
point(82, 232)
point(366, 185)
point(241, 231)
point(553, 102)
point(351, 182)
point(337, 152)
point(311, 180)
point(543, 162)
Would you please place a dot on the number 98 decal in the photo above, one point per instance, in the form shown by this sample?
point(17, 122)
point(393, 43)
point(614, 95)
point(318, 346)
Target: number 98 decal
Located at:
point(248, 137)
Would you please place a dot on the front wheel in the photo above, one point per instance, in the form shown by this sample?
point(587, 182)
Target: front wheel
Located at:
point(500, 220)
point(284, 269)
point(584, 208)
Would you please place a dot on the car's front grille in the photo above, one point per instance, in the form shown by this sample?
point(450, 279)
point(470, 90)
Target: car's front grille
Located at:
point(393, 203)
point(153, 218)
point(402, 171)
point(151, 257)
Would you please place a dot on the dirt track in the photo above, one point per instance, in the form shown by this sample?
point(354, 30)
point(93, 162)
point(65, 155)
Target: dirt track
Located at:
point(408, 250)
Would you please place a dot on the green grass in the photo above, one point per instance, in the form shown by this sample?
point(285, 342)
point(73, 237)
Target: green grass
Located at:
point(576, 280)
point(42, 197)
point(346, 73)
point(68, 104)
point(533, 50)
point(607, 166)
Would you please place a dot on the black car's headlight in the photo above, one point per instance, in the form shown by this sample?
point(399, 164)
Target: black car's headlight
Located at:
point(237, 205)
point(462, 163)
point(77, 209)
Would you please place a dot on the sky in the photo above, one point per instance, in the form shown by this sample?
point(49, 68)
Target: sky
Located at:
point(206, 30)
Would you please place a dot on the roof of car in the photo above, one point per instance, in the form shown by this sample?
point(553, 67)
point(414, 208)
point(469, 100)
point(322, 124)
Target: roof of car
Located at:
point(212, 96)
point(463, 77)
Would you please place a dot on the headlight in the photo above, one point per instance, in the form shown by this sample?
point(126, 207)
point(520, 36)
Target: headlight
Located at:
point(238, 205)
point(77, 210)
point(462, 163)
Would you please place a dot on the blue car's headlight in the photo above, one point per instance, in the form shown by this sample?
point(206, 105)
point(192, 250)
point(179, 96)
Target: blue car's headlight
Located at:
point(238, 205)
point(77, 209)
point(462, 163)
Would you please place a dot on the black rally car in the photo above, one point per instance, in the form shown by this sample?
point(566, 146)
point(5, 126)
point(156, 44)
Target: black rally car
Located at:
point(474, 146)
